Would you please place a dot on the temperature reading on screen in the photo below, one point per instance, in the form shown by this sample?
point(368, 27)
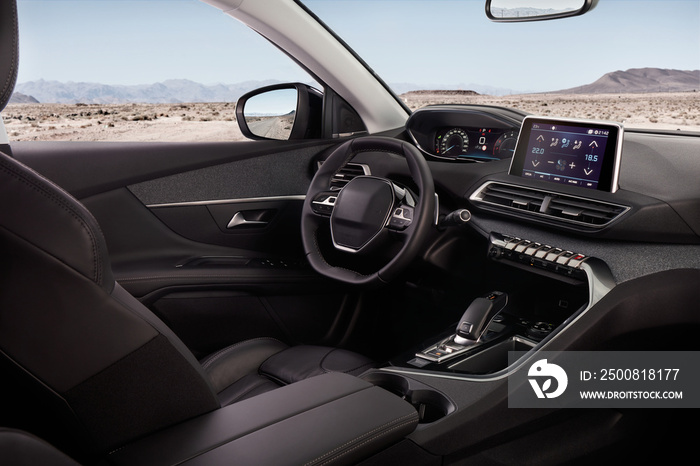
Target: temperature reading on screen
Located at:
point(566, 151)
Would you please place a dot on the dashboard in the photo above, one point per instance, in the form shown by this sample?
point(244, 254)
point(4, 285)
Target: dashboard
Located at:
point(627, 185)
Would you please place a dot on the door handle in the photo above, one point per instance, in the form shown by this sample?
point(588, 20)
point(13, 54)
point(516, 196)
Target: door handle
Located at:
point(239, 220)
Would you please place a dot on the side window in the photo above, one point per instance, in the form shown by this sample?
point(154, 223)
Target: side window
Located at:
point(150, 70)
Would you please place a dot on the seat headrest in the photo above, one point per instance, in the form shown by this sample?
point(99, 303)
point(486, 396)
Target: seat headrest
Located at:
point(9, 50)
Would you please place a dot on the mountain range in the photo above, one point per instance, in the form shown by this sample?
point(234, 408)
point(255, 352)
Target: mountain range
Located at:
point(19, 98)
point(170, 91)
point(634, 80)
point(638, 80)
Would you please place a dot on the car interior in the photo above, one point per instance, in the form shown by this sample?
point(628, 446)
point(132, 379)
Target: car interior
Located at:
point(358, 293)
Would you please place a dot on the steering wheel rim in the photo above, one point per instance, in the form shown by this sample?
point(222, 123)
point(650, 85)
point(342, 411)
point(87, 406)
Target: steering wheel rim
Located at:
point(415, 235)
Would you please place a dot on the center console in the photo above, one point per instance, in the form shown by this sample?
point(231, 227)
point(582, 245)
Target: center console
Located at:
point(544, 288)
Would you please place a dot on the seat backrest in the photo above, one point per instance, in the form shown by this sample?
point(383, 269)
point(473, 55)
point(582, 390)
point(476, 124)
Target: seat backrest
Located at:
point(72, 341)
point(66, 324)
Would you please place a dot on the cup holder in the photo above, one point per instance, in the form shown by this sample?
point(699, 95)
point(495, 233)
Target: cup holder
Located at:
point(430, 404)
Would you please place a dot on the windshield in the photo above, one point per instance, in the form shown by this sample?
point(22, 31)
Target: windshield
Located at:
point(635, 62)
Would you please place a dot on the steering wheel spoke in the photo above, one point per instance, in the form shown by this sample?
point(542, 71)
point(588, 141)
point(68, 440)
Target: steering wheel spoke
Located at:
point(322, 203)
point(401, 218)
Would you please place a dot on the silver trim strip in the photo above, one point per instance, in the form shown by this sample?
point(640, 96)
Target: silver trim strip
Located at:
point(239, 220)
point(294, 197)
point(600, 282)
point(327, 201)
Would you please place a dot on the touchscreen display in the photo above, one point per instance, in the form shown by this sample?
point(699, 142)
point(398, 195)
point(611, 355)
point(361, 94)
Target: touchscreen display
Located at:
point(571, 152)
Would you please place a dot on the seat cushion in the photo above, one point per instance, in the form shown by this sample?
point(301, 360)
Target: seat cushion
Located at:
point(259, 365)
point(301, 362)
point(20, 448)
point(233, 363)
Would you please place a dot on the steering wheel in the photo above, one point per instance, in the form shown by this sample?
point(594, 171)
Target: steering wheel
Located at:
point(367, 212)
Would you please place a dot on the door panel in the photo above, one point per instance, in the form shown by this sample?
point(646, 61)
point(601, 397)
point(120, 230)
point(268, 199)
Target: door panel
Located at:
point(88, 168)
point(166, 211)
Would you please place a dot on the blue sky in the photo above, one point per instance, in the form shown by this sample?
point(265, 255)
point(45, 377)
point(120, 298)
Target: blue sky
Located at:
point(433, 42)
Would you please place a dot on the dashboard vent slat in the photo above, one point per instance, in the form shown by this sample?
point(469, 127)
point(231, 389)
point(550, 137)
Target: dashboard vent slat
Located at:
point(558, 207)
point(347, 173)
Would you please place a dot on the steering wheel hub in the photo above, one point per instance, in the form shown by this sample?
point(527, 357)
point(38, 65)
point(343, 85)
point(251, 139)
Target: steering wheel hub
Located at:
point(361, 212)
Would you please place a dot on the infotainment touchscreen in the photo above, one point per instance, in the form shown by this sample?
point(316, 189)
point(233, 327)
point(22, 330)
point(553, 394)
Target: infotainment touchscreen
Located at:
point(571, 152)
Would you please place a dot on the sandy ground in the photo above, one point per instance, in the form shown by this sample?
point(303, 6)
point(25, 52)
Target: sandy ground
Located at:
point(667, 111)
point(122, 122)
point(217, 121)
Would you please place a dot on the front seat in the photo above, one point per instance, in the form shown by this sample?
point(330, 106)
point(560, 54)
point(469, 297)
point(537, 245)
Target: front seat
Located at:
point(82, 348)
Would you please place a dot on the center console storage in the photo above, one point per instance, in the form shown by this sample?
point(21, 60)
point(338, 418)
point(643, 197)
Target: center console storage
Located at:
point(332, 418)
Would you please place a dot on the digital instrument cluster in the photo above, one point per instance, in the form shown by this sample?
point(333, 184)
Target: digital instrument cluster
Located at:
point(465, 133)
point(475, 143)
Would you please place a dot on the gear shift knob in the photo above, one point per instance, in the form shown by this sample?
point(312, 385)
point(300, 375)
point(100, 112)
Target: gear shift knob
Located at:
point(476, 318)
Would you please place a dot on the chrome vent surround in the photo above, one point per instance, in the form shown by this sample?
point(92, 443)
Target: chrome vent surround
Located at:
point(347, 173)
point(539, 203)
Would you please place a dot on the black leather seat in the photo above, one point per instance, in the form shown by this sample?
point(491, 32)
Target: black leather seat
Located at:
point(95, 349)
point(20, 448)
point(256, 366)
point(86, 348)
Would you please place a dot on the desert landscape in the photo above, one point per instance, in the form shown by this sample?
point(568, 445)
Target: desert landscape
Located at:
point(217, 121)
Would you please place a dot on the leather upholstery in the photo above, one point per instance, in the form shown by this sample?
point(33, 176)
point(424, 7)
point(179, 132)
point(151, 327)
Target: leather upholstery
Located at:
point(256, 366)
point(301, 362)
point(9, 50)
point(96, 350)
point(44, 215)
point(250, 354)
point(85, 345)
point(332, 418)
point(22, 449)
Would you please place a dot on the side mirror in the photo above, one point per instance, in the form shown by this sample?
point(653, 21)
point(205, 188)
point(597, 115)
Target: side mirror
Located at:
point(536, 10)
point(281, 112)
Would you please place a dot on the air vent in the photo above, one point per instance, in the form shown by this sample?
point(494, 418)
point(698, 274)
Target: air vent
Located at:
point(347, 173)
point(544, 204)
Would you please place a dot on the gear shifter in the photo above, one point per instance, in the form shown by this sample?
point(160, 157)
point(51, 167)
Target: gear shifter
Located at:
point(476, 318)
point(472, 325)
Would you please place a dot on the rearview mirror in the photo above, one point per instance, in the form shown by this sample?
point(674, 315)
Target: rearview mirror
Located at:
point(536, 10)
point(281, 112)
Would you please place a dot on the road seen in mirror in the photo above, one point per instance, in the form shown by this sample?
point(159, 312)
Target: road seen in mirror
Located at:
point(272, 127)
